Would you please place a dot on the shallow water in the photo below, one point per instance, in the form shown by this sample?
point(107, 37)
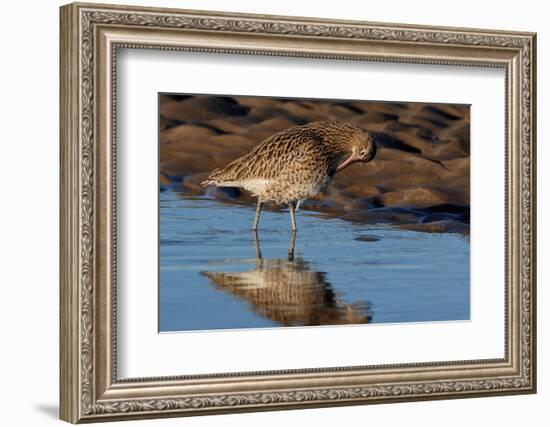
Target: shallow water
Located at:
point(215, 273)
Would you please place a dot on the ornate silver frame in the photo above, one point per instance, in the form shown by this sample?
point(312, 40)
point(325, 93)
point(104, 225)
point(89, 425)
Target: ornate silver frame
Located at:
point(90, 36)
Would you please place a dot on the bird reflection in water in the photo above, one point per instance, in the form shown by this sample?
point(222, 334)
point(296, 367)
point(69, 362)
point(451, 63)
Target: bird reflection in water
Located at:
point(289, 292)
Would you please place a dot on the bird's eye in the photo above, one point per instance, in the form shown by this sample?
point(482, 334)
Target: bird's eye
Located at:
point(363, 153)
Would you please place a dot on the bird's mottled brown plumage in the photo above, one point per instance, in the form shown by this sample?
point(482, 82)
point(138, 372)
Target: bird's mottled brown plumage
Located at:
point(297, 163)
point(290, 293)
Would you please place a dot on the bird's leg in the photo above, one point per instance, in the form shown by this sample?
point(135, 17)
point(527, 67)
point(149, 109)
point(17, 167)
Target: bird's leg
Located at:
point(257, 218)
point(291, 246)
point(257, 244)
point(291, 206)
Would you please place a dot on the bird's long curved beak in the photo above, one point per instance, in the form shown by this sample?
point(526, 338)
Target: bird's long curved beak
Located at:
point(349, 161)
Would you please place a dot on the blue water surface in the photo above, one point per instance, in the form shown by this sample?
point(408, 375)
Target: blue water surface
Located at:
point(216, 274)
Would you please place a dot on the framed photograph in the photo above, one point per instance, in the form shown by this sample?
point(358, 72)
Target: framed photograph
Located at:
point(267, 212)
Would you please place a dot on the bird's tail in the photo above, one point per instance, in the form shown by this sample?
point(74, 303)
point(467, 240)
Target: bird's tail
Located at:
point(216, 177)
point(210, 179)
point(222, 177)
point(207, 182)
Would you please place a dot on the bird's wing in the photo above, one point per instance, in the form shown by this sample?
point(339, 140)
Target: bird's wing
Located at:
point(273, 156)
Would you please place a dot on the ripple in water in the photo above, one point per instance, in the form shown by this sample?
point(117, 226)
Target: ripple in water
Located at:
point(215, 273)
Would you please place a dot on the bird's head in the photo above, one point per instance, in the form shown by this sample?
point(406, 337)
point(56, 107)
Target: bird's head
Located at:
point(361, 147)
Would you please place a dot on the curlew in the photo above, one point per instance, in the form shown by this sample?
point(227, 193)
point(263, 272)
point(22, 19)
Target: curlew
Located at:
point(290, 292)
point(296, 164)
